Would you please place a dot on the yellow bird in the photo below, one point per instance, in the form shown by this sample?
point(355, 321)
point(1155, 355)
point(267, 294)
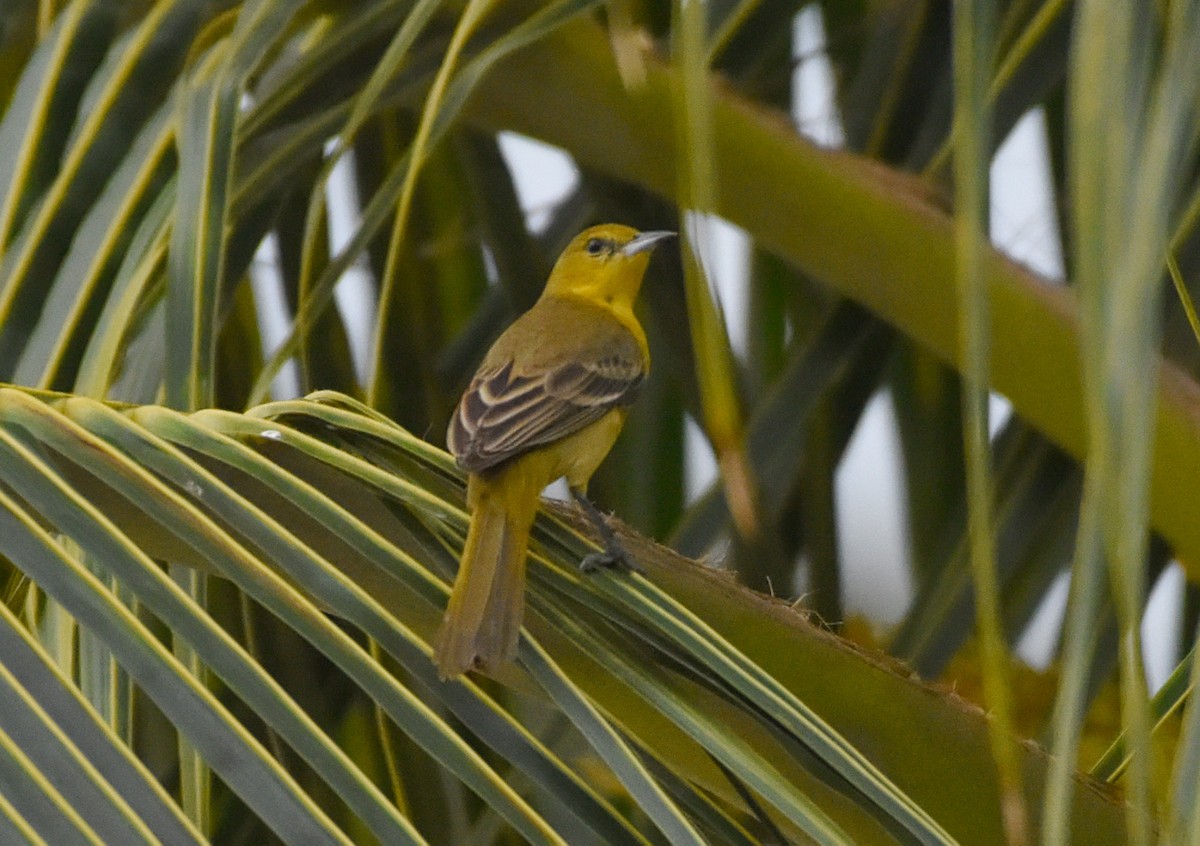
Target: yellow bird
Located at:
point(548, 401)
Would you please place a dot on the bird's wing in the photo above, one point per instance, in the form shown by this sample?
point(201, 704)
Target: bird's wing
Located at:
point(506, 412)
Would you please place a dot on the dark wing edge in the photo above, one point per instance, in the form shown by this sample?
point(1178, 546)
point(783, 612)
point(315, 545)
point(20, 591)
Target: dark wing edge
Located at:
point(503, 414)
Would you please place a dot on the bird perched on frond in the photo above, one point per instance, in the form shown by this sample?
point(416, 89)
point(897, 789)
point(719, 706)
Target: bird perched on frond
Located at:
point(547, 402)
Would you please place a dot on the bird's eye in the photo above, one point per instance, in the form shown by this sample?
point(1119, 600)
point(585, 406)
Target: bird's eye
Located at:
point(594, 246)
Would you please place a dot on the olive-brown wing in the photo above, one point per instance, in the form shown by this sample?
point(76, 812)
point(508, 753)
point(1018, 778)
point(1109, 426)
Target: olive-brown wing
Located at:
point(506, 412)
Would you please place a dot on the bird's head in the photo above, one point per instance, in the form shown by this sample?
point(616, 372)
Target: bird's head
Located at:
point(605, 263)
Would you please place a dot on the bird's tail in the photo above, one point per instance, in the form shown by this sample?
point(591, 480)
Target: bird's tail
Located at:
point(483, 618)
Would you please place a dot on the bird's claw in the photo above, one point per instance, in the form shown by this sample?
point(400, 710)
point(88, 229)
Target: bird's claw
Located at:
point(609, 559)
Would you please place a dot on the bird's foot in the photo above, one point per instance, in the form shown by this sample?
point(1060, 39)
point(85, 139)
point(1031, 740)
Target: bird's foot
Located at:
point(615, 557)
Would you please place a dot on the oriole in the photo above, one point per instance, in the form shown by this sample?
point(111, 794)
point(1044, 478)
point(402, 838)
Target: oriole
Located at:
point(548, 401)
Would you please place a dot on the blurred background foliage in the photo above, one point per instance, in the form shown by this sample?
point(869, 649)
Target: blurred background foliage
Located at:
point(174, 178)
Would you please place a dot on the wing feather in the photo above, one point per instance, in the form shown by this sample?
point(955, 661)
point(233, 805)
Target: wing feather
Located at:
point(505, 413)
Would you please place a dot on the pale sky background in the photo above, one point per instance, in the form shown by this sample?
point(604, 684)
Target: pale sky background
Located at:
point(870, 506)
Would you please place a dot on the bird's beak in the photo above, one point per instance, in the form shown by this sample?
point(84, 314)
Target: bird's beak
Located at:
point(645, 241)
